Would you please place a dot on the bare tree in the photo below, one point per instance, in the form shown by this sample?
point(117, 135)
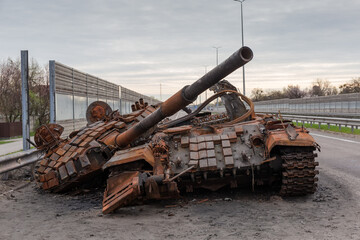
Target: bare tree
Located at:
point(10, 90)
point(292, 91)
point(275, 94)
point(257, 94)
point(322, 87)
point(39, 93)
point(351, 87)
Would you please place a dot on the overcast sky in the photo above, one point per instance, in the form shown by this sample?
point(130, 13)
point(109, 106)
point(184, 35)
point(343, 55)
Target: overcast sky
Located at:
point(142, 43)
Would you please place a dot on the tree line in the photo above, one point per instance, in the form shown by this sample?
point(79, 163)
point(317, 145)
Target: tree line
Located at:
point(10, 91)
point(319, 87)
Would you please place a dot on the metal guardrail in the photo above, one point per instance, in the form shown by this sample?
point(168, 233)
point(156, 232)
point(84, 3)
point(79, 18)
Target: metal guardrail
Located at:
point(315, 114)
point(20, 159)
point(352, 122)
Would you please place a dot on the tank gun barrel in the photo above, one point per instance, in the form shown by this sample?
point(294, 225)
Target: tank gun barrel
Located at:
point(186, 95)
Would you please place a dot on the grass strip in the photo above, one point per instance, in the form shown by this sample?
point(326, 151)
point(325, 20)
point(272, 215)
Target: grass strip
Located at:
point(331, 128)
point(31, 147)
point(5, 142)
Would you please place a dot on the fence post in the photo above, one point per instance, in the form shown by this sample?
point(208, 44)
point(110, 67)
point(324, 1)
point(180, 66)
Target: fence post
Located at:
point(52, 88)
point(73, 97)
point(25, 99)
point(120, 100)
point(87, 89)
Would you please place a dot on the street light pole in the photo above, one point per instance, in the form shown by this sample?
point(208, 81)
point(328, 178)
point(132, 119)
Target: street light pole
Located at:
point(217, 63)
point(160, 93)
point(217, 55)
point(206, 89)
point(242, 39)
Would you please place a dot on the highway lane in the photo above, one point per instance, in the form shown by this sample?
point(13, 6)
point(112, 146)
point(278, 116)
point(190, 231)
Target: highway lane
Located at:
point(338, 152)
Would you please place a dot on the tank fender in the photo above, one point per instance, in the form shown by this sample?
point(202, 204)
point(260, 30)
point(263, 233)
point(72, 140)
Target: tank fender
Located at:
point(281, 138)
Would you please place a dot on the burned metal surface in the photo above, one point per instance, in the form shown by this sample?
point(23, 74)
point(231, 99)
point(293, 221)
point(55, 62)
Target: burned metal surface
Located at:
point(47, 136)
point(72, 160)
point(145, 156)
point(234, 106)
point(97, 111)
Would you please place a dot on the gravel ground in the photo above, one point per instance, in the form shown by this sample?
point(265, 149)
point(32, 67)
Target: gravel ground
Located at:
point(331, 213)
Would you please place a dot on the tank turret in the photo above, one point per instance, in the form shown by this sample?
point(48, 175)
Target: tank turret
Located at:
point(186, 95)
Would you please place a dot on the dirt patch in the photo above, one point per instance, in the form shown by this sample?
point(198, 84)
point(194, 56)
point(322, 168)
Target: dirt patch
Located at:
point(331, 213)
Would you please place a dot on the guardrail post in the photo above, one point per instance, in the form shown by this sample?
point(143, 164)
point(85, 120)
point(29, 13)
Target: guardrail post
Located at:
point(328, 121)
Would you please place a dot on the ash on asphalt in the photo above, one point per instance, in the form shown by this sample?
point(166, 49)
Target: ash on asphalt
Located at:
point(331, 213)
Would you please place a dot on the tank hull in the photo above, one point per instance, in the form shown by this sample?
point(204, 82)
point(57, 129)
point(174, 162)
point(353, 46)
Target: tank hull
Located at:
point(144, 155)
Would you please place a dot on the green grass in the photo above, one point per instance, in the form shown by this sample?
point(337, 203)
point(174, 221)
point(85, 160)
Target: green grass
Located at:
point(31, 147)
point(331, 129)
point(5, 142)
point(16, 137)
point(11, 153)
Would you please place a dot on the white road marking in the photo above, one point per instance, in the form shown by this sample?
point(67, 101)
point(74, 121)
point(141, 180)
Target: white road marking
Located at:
point(340, 139)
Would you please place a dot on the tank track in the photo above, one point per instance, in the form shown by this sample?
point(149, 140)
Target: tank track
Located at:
point(298, 172)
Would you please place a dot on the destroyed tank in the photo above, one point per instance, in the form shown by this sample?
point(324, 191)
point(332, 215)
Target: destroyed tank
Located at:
point(145, 155)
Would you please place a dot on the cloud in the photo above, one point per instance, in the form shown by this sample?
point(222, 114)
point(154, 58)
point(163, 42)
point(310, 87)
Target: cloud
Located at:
point(140, 44)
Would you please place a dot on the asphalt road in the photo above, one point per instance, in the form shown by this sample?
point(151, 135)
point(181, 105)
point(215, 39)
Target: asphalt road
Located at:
point(338, 152)
point(332, 212)
point(11, 146)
